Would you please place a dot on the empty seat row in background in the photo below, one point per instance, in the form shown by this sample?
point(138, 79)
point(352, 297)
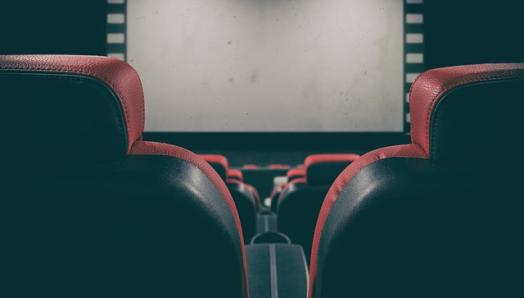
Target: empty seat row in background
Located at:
point(230, 175)
point(91, 209)
point(299, 202)
point(293, 174)
point(245, 195)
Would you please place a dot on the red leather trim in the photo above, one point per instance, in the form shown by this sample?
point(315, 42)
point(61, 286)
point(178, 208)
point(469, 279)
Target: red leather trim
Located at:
point(250, 167)
point(296, 173)
point(278, 167)
point(276, 190)
point(234, 181)
point(235, 174)
point(327, 158)
point(249, 187)
point(216, 159)
point(152, 148)
point(433, 85)
point(297, 180)
point(301, 180)
point(409, 151)
point(118, 75)
point(254, 191)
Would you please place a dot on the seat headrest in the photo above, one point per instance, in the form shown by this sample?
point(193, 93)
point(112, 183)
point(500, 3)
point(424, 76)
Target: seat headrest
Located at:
point(235, 174)
point(219, 163)
point(323, 169)
point(298, 172)
point(84, 109)
point(462, 114)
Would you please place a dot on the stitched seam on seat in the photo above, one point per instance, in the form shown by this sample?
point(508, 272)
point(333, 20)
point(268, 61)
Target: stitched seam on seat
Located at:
point(462, 83)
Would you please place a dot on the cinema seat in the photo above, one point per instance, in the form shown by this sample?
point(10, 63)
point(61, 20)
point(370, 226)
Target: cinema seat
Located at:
point(254, 193)
point(297, 172)
point(291, 175)
point(300, 201)
point(90, 209)
point(244, 195)
point(235, 174)
point(275, 194)
point(433, 218)
point(219, 163)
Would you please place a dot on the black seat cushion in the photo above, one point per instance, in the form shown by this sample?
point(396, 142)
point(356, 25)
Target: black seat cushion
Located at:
point(140, 227)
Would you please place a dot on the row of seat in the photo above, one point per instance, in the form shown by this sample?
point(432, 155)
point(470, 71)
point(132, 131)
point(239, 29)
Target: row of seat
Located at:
point(246, 197)
point(298, 203)
point(91, 209)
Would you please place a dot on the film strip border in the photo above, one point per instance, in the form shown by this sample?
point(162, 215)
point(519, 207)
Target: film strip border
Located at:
point(116, 29)
point(413, 50)
point(413, 42)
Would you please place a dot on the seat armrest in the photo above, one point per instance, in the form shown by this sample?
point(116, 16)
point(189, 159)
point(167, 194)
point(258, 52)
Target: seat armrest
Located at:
point(276, 270)
point(266, 221)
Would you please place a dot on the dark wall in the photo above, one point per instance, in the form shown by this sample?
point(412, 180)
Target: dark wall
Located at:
point(53, 27)
point(457, 31)
point(472, 31)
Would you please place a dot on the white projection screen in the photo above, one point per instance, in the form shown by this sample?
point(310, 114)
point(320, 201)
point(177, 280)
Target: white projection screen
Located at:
point(269, 65)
